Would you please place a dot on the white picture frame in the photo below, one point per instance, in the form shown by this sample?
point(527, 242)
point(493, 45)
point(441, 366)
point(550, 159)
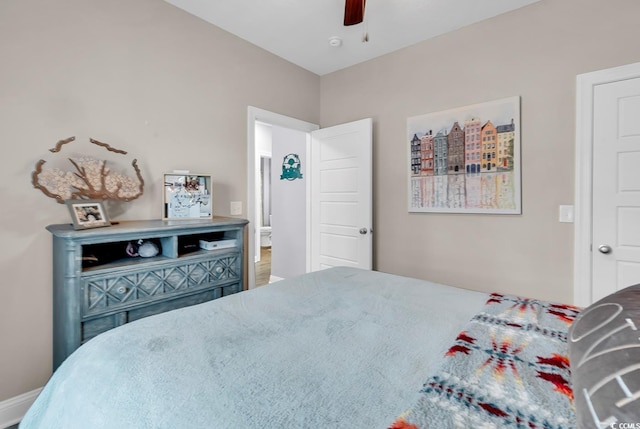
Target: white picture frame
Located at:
point(186, 196)
point(87, 214)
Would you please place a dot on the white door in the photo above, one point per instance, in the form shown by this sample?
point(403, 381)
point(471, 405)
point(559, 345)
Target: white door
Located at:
point(616, 187)
point(341, 189)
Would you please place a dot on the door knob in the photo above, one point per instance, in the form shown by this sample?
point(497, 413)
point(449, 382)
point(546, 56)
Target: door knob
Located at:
point(603, 248)
point(363, 231)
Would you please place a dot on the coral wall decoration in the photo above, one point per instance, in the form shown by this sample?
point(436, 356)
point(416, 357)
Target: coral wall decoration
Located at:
point(87, 177)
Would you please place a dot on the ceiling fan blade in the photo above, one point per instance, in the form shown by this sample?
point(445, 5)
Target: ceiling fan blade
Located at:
point(353, 11)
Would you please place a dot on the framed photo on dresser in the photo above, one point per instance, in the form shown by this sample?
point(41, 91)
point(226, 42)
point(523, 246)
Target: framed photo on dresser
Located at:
point(87, 214)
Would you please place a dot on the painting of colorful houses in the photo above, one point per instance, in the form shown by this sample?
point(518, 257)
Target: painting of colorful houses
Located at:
point(466, 160)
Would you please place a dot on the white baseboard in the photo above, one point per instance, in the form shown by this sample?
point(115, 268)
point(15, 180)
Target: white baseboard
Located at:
point(273, 279)
point(13, 409)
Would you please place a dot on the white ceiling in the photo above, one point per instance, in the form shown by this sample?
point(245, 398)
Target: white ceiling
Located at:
point(299, 30)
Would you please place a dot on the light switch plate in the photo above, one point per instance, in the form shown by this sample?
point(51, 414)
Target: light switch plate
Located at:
point(566, 214)
point(236, 207)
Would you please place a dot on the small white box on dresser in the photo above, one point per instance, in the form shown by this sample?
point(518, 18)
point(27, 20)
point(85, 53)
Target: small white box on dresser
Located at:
point(216, 244)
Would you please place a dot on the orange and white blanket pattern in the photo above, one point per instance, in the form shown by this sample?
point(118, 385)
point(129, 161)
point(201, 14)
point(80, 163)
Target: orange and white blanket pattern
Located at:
point(509, 368)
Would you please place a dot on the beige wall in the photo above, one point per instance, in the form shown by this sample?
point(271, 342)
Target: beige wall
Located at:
point(142, 76)
point(536, 53)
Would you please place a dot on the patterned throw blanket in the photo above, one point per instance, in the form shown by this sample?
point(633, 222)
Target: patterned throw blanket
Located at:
point(509, 368)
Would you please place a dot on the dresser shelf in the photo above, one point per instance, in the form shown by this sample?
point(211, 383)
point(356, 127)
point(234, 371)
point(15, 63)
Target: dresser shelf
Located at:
point(97, 286)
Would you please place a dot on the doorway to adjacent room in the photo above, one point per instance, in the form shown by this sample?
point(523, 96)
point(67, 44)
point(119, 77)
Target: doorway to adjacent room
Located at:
point(325, 218)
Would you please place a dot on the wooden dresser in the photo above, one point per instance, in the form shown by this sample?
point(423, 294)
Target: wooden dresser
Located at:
point(97, 286)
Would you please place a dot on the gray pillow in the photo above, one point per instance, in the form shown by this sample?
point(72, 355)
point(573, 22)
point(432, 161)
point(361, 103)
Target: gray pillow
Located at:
point(604, 351)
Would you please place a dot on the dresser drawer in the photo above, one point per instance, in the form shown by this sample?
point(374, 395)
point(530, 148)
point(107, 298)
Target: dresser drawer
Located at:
point(97, 325)
point(123, 289)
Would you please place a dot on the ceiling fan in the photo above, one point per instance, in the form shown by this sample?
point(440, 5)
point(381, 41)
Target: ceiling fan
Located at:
point(353, 12)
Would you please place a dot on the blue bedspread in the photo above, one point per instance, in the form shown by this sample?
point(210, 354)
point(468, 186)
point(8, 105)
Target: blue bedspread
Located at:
point(336, 348)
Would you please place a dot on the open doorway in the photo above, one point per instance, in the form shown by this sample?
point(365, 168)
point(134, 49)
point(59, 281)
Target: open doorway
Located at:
point(268, 215)
point(335, 232)
point(263, 203)
point(281, 202)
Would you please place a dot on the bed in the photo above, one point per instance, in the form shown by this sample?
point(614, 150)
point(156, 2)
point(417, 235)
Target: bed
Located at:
point(341, 347)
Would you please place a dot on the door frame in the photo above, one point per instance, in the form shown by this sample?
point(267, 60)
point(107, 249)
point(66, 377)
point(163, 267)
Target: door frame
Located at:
point(582, 248)
point(255, 114)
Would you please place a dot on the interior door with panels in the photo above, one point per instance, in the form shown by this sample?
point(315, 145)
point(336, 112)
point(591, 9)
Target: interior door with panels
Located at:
point(341, 196)
point(616, 187)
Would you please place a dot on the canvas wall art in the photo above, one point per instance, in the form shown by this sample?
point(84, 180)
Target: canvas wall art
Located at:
point(466, 160)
